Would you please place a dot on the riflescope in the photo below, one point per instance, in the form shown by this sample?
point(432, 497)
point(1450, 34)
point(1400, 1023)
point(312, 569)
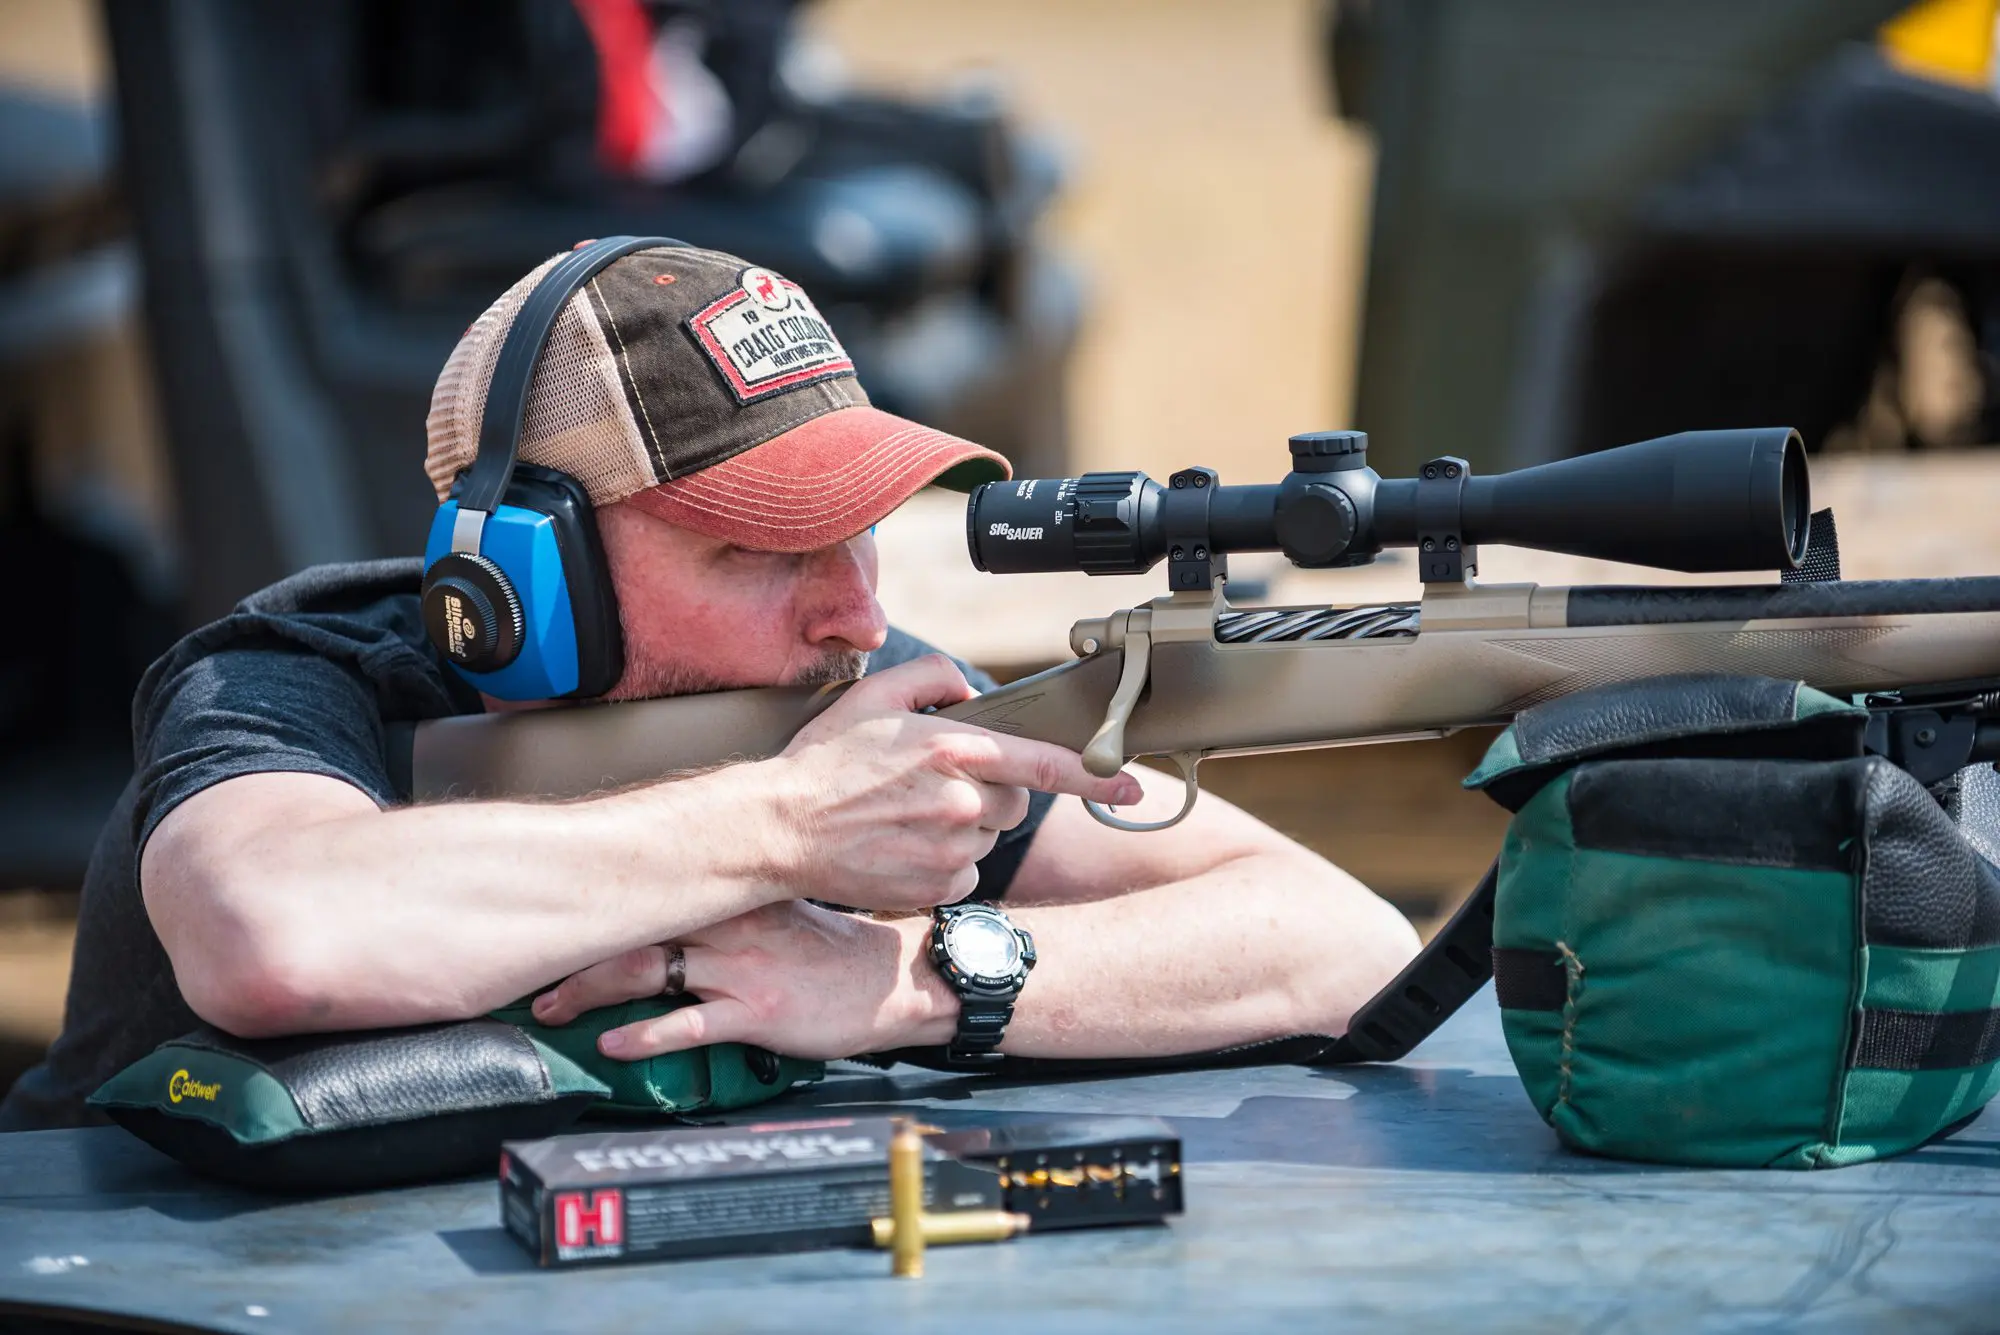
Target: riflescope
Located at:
point(1697, 501)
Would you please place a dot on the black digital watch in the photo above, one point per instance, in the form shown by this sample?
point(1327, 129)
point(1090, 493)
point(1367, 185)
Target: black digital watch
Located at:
point(984, 958)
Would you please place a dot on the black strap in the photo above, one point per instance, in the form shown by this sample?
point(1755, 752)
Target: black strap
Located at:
point(514, 372)
point(982, 1023)
point(1444, 976)
point(1926, 1040)
point(1529, 980)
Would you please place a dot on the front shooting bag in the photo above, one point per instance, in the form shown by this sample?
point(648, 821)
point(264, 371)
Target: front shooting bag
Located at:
point(352, 1111)
point(1723, 935)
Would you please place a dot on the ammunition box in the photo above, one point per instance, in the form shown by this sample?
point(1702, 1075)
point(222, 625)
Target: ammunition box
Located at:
point(797, 1186)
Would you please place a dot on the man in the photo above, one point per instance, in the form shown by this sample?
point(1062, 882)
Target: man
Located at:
point(264, 871)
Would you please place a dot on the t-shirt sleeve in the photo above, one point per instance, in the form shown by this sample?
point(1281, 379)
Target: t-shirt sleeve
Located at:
point(259, 693)
point(253, 711)
point(999, 867)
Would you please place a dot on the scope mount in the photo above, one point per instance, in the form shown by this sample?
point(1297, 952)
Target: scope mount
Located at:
point(1191, 565)
point(1443, 555)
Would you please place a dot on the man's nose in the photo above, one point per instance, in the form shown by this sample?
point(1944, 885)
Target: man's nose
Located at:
point(839, 601)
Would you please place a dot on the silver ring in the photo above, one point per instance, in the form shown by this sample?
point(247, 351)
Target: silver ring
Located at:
point(677, 971)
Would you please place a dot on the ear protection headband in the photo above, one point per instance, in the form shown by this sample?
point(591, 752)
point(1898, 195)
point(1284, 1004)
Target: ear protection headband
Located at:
point(516, 595)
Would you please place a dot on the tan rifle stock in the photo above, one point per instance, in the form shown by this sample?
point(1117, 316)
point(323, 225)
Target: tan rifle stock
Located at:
point(1156, 681)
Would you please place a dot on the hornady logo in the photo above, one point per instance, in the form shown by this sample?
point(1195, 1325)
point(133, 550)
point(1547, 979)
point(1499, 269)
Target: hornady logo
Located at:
point(184, 1086)
point(590, 1219)
point(1012, 534)
point(766, 336)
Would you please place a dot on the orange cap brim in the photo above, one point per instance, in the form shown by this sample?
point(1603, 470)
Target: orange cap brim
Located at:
point(820, 483)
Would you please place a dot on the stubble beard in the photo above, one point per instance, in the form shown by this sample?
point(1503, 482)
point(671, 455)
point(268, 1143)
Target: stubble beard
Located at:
point(646, 680)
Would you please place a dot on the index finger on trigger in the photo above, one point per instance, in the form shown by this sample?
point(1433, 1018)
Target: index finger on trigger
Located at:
point(1043, 767)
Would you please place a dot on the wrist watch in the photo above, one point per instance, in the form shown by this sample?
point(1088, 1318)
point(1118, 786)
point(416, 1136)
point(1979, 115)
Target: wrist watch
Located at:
point(985, 959)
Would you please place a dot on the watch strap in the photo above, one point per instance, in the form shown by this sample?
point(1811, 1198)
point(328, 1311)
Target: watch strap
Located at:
point(982, 1023)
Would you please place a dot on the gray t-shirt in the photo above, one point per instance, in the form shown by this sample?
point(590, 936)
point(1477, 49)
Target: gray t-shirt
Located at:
point(311, 676)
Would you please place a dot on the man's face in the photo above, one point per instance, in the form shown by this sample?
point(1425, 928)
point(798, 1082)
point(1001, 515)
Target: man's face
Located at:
point(702, 615)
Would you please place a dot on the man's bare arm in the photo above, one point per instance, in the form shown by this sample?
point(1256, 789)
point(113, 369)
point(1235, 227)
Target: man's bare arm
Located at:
point(291, 903)
point(1255, 938)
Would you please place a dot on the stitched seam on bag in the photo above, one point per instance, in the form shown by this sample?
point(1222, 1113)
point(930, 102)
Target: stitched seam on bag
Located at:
point(1834, 1134)
point(1572, 988)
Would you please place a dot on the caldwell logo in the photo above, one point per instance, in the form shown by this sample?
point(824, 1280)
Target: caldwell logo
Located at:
point(184, 1086)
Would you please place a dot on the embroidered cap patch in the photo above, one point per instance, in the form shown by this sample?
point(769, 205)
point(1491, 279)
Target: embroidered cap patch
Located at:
point(766, 336)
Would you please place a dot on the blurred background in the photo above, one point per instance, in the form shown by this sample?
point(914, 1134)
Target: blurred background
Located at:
point(238, 239)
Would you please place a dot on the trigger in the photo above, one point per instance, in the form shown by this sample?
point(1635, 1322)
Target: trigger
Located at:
point(1187, 762)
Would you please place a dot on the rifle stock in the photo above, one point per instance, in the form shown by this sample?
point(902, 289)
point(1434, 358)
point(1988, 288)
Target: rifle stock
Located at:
point(1480, 655)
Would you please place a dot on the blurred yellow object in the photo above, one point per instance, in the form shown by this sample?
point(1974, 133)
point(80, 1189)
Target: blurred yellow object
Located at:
point(906, 1201)
point(944, 1230)
point(1951, 40)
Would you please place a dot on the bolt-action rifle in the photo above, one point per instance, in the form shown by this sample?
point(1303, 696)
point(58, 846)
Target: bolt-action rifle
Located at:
point(1189, 676)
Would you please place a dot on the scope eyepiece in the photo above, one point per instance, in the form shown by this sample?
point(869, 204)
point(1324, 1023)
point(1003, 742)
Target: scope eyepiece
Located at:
point(1097, 523)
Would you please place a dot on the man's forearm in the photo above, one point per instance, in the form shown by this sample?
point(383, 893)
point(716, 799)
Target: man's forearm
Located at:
point(1263, 946)
point(366, 918)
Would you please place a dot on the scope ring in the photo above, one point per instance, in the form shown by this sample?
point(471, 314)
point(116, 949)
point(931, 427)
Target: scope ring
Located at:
point(1186, 762)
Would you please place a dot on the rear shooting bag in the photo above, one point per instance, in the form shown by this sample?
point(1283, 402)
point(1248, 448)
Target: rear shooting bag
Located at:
point(1725, 936)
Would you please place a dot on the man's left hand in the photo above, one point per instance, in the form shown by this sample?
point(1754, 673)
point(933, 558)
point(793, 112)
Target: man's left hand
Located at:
point(792, 977)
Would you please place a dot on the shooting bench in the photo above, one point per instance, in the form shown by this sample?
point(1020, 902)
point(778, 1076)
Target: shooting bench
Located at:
point(1421, 1195)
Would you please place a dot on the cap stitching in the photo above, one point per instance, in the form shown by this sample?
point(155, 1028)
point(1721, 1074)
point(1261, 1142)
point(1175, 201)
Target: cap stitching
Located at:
point(776, 431)
point(857, 493)
point(853, 472)
point(637, 393)
point(893, 440)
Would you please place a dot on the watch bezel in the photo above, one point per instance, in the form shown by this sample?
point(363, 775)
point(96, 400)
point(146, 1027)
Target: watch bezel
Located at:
point(963, 979)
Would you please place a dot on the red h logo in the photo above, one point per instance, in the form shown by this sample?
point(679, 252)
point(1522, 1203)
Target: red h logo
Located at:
point(601, 1221)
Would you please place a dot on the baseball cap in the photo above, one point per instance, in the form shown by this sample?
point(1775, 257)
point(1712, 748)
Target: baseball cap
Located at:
point(711, 393)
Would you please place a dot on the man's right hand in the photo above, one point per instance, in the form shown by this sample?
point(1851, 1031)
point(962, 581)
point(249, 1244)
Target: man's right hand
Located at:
point(889, 808)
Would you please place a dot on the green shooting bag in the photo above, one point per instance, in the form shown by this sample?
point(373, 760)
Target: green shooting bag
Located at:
point(1723, 935)
point(351, 1111)
point(715, 1078)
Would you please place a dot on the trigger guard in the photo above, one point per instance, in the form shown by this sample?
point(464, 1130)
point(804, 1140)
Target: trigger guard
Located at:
point(1186, 762)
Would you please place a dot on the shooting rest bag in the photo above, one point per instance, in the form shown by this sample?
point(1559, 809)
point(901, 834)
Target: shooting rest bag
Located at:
point(353, 1111)
point(343, 1112)
point(715, 1078)
point(1725, 936)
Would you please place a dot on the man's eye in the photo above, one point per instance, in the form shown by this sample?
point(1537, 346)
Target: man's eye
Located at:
point(752, 557)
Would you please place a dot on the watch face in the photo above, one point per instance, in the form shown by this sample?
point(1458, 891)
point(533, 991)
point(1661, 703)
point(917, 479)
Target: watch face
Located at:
point(983, 946)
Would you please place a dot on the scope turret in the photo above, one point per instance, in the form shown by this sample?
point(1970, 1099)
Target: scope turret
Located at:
point(1699, 501)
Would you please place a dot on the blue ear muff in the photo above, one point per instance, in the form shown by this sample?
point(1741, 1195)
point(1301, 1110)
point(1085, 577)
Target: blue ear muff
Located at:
point(531, 615)
point(516, 594)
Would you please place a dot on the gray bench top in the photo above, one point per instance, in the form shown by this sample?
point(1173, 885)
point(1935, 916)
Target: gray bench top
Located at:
point(1424, 1194)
